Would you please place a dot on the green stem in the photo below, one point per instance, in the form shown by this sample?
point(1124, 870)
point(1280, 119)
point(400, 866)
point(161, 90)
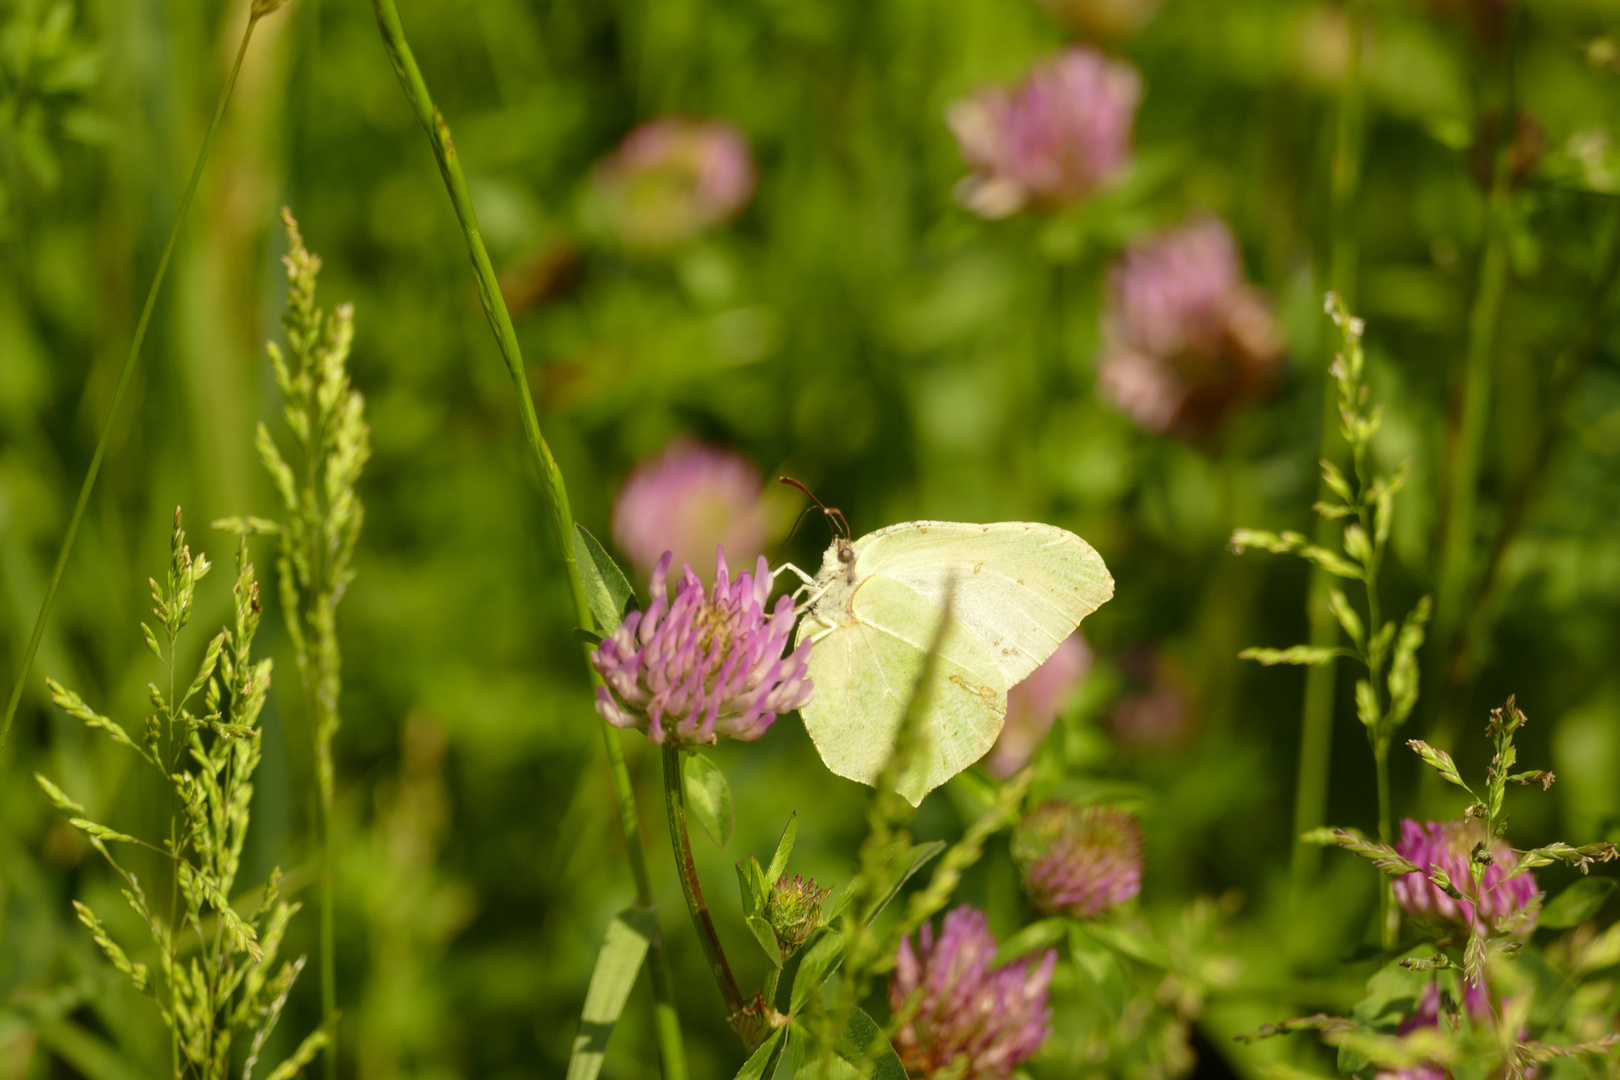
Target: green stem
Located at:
point(328, 945)
point(1316, 724)
point(90, 475)
point(672, 1053)
point(675, 805)
point(768, 992)
point(1567, 370)
point(1461, 482)
point(1388, 913)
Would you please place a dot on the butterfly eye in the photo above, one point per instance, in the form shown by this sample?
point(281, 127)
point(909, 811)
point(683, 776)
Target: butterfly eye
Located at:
point(846, 553)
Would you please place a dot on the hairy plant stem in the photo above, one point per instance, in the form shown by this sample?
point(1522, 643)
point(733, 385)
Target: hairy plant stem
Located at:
point(27, 662)
point(672, 1054)
point(1460, 496)
point(675, 805)
point(1316, 725)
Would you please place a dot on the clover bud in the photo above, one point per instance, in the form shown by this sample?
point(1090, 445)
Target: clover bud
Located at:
point(794, 911)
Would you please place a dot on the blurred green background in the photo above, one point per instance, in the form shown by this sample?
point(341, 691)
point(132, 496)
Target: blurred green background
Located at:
point(853, 327)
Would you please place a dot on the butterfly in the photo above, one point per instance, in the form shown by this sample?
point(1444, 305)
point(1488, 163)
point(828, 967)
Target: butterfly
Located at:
point(1015, 589)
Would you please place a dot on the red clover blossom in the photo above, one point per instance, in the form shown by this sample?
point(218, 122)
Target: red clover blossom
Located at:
point(1449, 846)
point(963, 1017)
point(1058, 136)
point(1186, 336)
point(673, 178)
point(1079, 860)
point(705, 664)
point(690, 499)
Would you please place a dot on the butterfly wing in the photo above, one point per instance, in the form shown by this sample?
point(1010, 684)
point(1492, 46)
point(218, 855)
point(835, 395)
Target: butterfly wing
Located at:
point(865, 672)
point(1019, 587)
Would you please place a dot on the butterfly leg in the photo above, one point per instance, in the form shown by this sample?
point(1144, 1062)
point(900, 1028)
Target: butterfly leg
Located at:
point(802, 576)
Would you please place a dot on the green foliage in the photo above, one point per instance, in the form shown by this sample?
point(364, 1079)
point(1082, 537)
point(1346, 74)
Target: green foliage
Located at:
point(856, 328)
point(606, 588)
point(708, 796)
point(219, 980)
point(617, 965)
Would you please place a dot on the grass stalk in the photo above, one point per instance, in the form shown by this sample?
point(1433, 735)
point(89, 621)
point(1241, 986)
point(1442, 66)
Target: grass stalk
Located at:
point(1316, 724)
point(24, 666)
point(672, 1053)
point(1460, 494)
point(1567, 371)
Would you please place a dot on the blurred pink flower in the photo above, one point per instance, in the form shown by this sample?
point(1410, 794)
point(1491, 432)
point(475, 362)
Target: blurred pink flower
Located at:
point(1058, 136)
point(1106, 20)
point(1448, 846)
point(1078, 861)
point(673, 178)
point(971, 1021)
point(707, 664)
point(1186, 336)
point(1163, 715)
point(690, 500)
point(1034, 704)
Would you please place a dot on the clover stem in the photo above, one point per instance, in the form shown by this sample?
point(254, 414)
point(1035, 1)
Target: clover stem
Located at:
point(769, 991)
point(675, 804)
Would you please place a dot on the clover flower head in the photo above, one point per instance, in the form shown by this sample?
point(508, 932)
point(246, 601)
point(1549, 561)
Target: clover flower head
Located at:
point(1058, 136)
point(690, 499)
point(1187, 337)
point(1449, 846)
point(673, 178)
point(1034, 704)
point(705, 664)
point(963, 1015)
point(1079, 860)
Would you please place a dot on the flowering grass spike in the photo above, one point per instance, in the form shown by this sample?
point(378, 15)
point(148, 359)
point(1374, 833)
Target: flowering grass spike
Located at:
point(705, 664)
point(1448, 846)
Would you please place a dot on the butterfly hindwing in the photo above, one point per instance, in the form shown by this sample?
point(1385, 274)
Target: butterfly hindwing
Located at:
point(869, 671)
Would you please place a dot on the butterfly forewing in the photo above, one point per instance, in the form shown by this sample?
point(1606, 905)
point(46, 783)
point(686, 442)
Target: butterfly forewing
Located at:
point(1019, 587)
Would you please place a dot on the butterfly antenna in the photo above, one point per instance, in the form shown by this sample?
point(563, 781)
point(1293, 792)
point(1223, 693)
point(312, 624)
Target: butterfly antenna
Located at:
point(835, 515)
point(782, 550)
